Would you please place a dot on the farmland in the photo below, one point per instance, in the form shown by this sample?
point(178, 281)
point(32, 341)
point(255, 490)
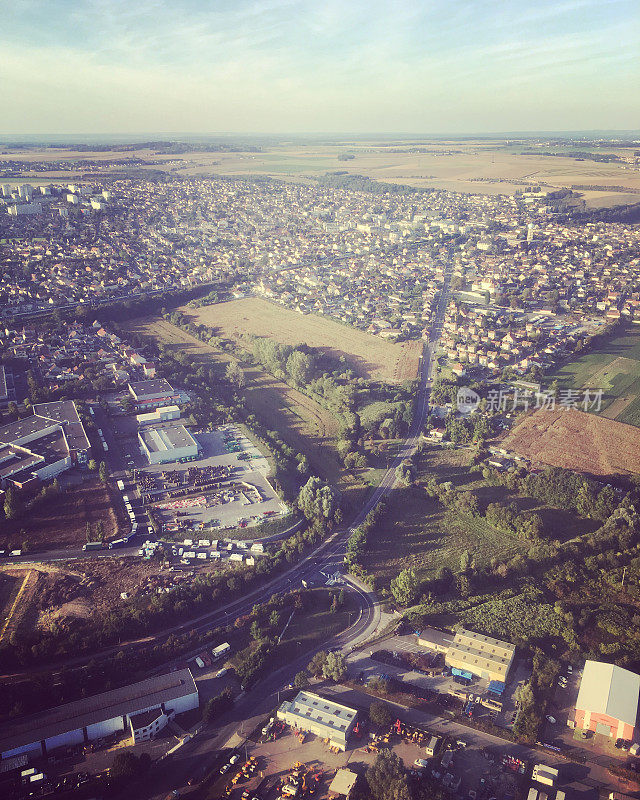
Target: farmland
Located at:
point(574, 440)
point(368, 356)
point(472, 166)
point(613, 366)
point(301, 422)
point(61, 521)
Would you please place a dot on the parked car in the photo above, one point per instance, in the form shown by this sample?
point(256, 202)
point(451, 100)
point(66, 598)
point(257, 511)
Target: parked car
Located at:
point(551, 719)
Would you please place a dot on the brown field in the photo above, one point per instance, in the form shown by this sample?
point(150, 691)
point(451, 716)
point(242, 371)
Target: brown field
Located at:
point(575, 440)
point(301, 422)
point(476, 167)
point(367, 355)
point(61, 523)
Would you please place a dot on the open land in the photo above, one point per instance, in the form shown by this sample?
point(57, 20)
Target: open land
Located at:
point(575, 440)
point(368, 356)
point(420, 533)
point(301, 422)
point(475, 167)
point(62, 521)
point(614, 366)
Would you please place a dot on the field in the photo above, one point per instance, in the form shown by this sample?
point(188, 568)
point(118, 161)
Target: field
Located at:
point(420, 533)
point(367, 355)
point(477, 167)
point(61, 522)
point(574, 440)
point(614, 367)
point(301, 422)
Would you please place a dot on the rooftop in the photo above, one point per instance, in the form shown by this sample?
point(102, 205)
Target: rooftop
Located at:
point(611, 690)
point(151, 388)
point(318, 709)
point(170, 438)
point(118, 702)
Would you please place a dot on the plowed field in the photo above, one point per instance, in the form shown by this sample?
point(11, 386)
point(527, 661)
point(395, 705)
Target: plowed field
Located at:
point(574, 440)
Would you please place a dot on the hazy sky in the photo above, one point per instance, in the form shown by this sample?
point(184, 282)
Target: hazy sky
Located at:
point(90, 66)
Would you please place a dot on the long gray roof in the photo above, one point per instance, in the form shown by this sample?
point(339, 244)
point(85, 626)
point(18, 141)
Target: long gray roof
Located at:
point(98, 708)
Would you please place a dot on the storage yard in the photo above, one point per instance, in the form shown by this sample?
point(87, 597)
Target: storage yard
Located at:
point(226, 487)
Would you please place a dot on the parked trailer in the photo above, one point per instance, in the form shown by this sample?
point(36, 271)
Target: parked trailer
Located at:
point(93, 546)
point(221, 650)
point(116, 543)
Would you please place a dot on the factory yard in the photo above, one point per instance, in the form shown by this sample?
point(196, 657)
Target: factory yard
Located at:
point(225, 488)
point(367, 355)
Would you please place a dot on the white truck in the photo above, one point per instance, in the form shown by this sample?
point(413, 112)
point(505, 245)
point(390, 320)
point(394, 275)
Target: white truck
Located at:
point(544, 774)
point(221, 650)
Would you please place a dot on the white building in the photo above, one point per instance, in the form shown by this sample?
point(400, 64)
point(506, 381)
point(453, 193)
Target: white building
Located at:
point(162, 445)
point(159, 415)
point(141, 709)
point(324, 718)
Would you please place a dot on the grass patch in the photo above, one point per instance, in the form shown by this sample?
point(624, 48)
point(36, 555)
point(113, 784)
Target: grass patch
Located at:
point(315, 624)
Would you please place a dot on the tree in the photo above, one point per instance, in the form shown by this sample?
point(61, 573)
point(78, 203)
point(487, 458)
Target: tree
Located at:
point(14, 507)
point(405, 587)
point(465, 560)
point(299, 367)
point(301, 680)
point(317, 663)
point(103, 472)
point(387, 778)
point(256, 630)
point(92, 466)
point(318, 500)
point(235, 375)
point(334, 667)
point(127, 766)
point(12, 410)
point(87, 532)
point(380, 714)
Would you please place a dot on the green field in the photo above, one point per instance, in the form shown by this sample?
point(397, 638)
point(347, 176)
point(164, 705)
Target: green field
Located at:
point(418, 532)
point(614, 367)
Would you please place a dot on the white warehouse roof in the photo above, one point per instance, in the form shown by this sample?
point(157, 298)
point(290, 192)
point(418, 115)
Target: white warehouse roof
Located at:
point(611, 690)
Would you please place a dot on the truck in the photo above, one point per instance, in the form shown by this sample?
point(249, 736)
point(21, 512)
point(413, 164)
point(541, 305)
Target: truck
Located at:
point(221, 650)
point(199, 662)
point(120, 485)
point(116, 543)
point(432, 746)
point(544, 774)
point(93, 546)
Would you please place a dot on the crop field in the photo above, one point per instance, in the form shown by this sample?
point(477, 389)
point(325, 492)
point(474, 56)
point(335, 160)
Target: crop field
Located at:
point(477, 167)
point(61, 522)
point(301, 422)
point(614, 367)
point(368, 356)
point(574, 440)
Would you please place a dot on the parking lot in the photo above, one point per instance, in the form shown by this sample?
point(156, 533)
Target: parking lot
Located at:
point(225, 488)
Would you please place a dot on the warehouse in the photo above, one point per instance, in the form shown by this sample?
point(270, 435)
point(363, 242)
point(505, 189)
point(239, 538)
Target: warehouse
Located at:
point(153, 393)
point(140, 709)
point(159, 415)
point(435, 640)
point(162, 445)
point(42, 446)
point(314, 714)
point(608, 700)
point(480, 655)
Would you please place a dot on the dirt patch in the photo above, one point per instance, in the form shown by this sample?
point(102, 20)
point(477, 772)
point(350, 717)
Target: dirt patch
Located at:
point(574, 440)
point(62, 521)
point(367, 355)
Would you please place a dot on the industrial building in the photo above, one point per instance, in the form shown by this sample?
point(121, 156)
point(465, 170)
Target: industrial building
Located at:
point(324, 718)
point(162, 445)
point(41, 447)
point(480, 655)
point(141, 709)
point(159, 415)
point(608, 700)
point(153, 393)
point(435, 640)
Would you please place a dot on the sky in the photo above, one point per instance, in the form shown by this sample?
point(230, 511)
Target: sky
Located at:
point(303, 66)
